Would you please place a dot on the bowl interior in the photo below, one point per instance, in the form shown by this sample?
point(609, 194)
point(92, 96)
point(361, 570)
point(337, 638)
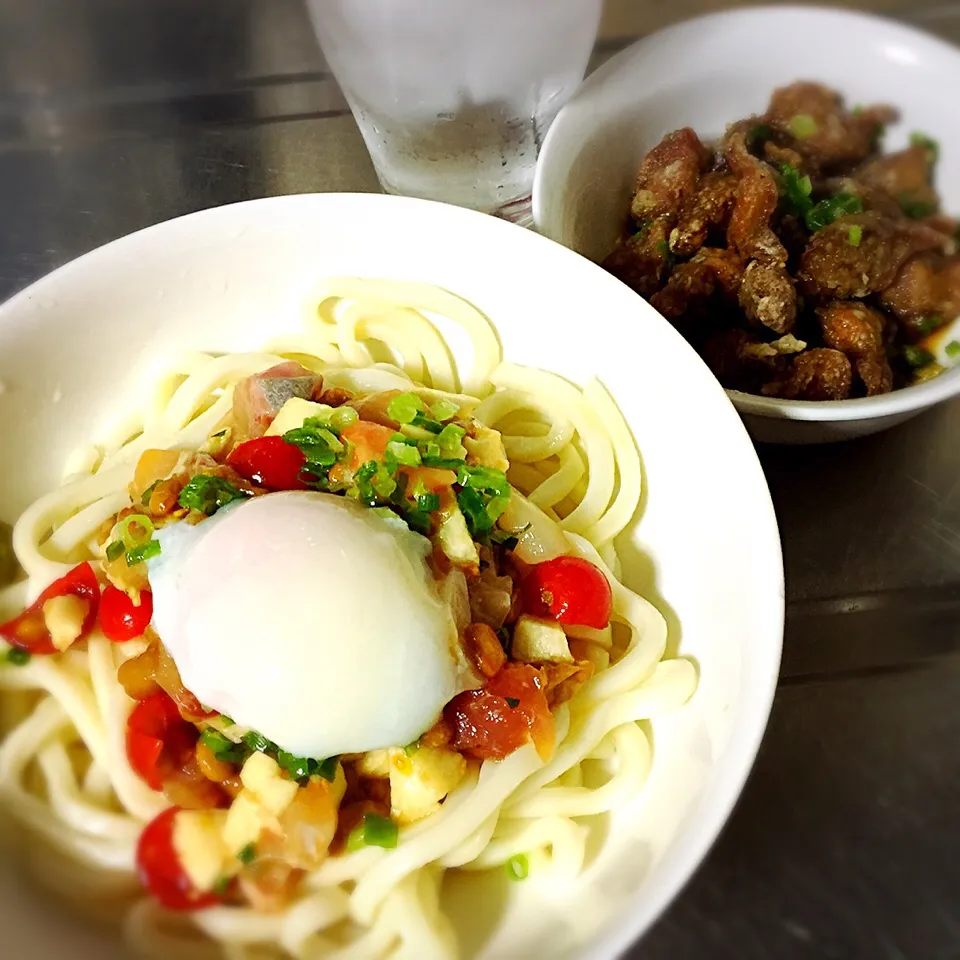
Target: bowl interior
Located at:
point(78, 348)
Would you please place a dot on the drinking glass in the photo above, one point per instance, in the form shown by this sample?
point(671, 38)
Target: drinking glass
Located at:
point(454, 97)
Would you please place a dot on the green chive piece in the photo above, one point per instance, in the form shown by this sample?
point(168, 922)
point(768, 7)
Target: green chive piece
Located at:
point(135, 530)
point(404, 454)
point(802, 126)
point(444, 410)
point(297, 767)
point(433, 449)
point(18, 657)
point(512, 703)
point(854, 235)
point(221, 747)
point(917, 357)
point(915, 209)
point(148, 493)
point(356, 838)
point(257, 741)
point(822, 214)
point(404, 407)
point(428, 502)
point(758, 135)
point(327, 769)
point(928, 324)
point(115, 550)
point(146, 551)
point(952, 349)
point(248, 854)
point(379, 831)
point(518, 867)
point(411, 748)
point(796, 189)
point(474, 510)
point(425, 423)
point(918, 139)
point(418, 521)
point(445, 463)
point(222, 886)
point(207, 494)
point(343, 417)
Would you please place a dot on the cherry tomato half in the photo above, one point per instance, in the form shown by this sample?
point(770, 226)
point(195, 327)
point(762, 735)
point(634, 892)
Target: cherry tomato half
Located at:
point(28, 631)
point(570, 590)
point(269, 461)
point(120, 619)
point(160, 870)
point(508, 712)
point(158, 739)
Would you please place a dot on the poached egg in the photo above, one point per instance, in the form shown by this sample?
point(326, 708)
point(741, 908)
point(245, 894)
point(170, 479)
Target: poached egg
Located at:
point(311, 619)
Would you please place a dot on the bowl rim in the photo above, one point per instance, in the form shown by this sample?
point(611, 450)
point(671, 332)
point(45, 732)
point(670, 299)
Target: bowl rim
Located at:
point(721, 792)
point(903, 401)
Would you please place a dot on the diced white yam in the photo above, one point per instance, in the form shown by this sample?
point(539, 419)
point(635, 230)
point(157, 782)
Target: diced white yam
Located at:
point(419, 782)
point(198, 843)
point(603, 638)
point(245, 820)
point(261, 776)
point(455, 540)
point(591, 652)
point(539, 641)
point(64, 618)
point(294, 412)
point(375, 763)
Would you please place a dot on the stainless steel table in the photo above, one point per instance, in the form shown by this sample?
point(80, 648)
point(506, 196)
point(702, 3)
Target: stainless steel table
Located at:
point(115, 115)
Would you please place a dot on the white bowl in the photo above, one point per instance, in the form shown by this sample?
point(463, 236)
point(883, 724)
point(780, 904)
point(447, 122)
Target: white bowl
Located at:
point(707, 73)
point(77, 347)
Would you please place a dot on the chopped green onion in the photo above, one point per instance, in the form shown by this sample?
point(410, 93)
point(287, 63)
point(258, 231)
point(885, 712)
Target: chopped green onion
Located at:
point(148, 493)
point(227, 721)
point(425, 423)
point(327, 769)
point(917, 357)
point(216, 742)
point(373, 831)
point(115, 550)
point(411, 748)
point(930, 323)
point(257, 741)
point(952, 349)
point(208, 494)
point(248, 854)
point(146, 551)
point(403, 453)
point(450, 440)
point(518, 867)
point(758, 135)
point(915, 209)
point(474, 510)
point(383, 483)
point(297, 767)
point(796, 189)
point(512, 702)
point(822, 214)
point(428, 502)
point(928, 143)
point(343, 417)
point(222, 885)
point(485, 478)
point(404, 407)
point(854, 235)
point(18, 657)
point(444, 463)
point(802, 126)
point(444, 410)
point(135, 530)
point(418, 521)
point(433, 449)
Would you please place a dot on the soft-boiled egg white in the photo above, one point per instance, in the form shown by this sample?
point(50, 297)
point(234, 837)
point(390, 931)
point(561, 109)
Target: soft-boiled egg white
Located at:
point(311, 619)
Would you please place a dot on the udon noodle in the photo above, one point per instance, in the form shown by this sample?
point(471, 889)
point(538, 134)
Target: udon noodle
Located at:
point(63, 768)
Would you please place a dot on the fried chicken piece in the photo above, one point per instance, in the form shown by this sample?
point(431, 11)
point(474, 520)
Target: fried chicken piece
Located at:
point(822, 130)
point(768, 297)
point(738, 361)
point(641, 261)
point(750, 232)
point(779, 156)
point(833, 268)
point(906, 178)
point(694, 285)
point(668, 176)
point(858, 331)
point(709, 208)
point(820, 374)
point(928, 287)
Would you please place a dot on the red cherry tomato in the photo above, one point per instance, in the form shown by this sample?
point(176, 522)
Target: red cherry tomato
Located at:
point(570, 590)
point(158, 739)
point(269, 461)
point(28, 631)
point(160, 870)
point(511, 710)
point(120, 619)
